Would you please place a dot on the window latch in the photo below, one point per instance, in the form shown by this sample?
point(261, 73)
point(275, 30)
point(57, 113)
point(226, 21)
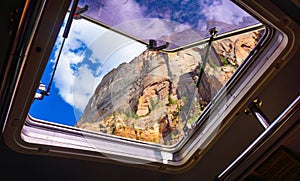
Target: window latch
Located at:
point(254, 108)
point(152, 46)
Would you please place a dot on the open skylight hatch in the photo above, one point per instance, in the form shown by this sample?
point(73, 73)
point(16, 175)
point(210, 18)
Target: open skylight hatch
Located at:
point(174, 24)
point(145, 81)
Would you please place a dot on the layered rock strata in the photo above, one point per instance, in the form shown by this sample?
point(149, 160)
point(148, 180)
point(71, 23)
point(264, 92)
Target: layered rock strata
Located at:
point(153, 96)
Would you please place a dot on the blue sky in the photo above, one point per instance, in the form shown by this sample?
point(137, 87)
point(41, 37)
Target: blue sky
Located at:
point(92, 51)
point(80, 69)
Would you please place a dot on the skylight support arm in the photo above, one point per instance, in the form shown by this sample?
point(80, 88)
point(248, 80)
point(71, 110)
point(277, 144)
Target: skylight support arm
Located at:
point(55, 66)
point(70, 19)
point(42, 88)
point(213, 32)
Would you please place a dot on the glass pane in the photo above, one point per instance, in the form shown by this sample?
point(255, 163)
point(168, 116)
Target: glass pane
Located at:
point(108, 83)
point(177, 22)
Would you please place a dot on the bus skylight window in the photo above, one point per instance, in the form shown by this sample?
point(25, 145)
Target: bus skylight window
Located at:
point(108, 82)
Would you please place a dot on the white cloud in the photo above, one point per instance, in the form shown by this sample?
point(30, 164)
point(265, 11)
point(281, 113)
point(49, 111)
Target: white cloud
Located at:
point(129, 17)
point(74, 78)
point(114, 12)
point(123, 11)
point(152, 28)
point(222, 11)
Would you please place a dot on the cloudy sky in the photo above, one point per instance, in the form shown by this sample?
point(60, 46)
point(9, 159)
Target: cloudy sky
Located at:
point(168, 20)
point(91, 51)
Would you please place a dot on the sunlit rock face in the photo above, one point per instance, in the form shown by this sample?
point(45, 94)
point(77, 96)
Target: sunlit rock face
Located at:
point(153, 96)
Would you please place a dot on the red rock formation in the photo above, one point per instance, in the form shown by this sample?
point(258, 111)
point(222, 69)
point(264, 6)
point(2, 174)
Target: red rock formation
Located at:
point(151, 98)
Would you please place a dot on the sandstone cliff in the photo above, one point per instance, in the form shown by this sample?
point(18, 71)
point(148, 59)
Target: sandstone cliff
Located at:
point(151, 97)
